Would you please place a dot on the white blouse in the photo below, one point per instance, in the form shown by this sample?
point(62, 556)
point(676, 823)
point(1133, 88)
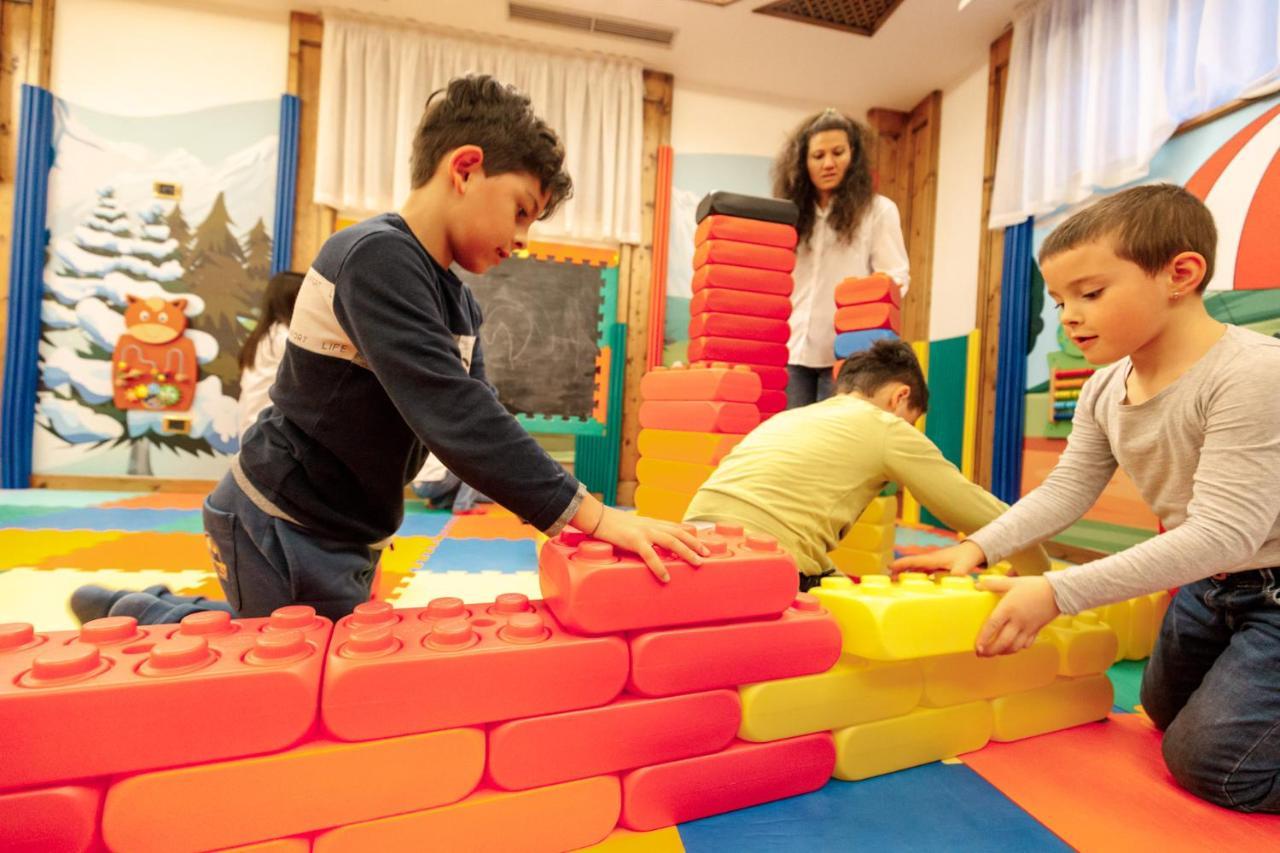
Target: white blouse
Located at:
point(824, 262)
point(256, 381)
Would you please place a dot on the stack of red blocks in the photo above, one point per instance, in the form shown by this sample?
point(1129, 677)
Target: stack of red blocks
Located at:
point(514, 724)
point(742, 299)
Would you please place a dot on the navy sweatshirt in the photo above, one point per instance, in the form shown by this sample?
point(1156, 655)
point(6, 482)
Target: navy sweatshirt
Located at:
point(383, 364)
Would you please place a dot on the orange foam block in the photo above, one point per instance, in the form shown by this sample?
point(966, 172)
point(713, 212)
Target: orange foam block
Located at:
point(275, 845)
point(594, 589)
point(50, 819)
point(626, 734)
point(874, 288)
point(872, 315)
point(738, 350)
point(1109, 789)
point(392, 672)
point(697, 448)
point(116, 698)
point(765, 329)
point(740, 302)
point(699, 416)
point(742, 278)
point(558, 817)
point(745, 774)
point(744, 255)
point(721, 383)
point(328, 783)
point(720, 227)
point(802, 641)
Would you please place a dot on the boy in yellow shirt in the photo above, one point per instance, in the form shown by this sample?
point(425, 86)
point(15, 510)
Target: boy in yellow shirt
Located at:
point(805, 475)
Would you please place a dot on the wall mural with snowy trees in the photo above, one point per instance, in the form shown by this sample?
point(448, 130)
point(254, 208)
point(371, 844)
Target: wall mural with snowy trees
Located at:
point(115, 238)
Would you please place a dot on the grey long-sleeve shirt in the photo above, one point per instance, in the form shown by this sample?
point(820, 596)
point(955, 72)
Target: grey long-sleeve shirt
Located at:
point(1205, 455)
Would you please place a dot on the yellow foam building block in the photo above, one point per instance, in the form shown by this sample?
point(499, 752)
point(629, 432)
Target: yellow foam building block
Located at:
point(665, 840)
point(959, 679)
point(672, 476)
point(859, 563)
point(868, 537)
point(881, 510)
point(1065, 703)
point(662, 503)
point(912, 618)
point(922, 736)
point(699, 448)
point(1085, 644)
point(851, 692)
point(1136, 622)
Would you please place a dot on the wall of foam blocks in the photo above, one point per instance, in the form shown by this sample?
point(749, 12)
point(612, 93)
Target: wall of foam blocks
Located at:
point(690, 418)
point(867, 549)
point(614, 701)
point(868, 309)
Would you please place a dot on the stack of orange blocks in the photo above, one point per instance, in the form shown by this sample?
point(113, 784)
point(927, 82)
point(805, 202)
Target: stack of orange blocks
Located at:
point(867, 310)
point(513, 724)
point(742, 296)
point(690, 419)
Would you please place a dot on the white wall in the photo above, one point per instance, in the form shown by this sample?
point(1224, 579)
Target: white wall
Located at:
point(957, 232)
point(147, 57)
point(708, 121)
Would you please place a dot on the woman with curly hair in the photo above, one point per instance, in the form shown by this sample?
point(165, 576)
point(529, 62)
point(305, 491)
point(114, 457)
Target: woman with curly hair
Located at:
point(845, 229)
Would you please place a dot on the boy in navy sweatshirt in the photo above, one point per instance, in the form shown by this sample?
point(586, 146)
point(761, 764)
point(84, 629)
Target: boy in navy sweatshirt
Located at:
point(384, 364)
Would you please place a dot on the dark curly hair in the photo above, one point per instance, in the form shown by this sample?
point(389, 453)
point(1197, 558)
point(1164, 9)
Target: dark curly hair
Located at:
point(886, 361)
point(849, 200)
point(479, 110)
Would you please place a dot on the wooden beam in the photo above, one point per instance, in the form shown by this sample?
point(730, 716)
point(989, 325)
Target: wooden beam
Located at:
point(990, 266)
point(312, 223)
point(26, 50)
point(634, 274)
point(923, 139)
point(122, 484)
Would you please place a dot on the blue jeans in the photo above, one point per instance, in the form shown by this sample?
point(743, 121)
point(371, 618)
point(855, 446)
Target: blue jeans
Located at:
point(265, 562)
point(1213, 686)
point(807, 385)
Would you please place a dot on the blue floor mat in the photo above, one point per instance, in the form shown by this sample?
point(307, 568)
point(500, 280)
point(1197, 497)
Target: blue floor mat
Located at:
point(934, 807)
point(483, 555)
point(128, 520)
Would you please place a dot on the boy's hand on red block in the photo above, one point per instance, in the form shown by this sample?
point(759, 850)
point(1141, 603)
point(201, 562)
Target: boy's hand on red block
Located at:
point(958, 560)
point(639, 535)
point(1027, 606)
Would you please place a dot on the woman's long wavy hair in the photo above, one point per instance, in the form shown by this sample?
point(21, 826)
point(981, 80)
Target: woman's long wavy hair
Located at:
point(849, 200)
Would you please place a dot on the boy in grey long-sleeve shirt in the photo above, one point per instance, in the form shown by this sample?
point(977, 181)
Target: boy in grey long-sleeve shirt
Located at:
point(1189, 408)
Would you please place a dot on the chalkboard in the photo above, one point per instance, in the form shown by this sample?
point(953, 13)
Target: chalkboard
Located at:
point(541, 334)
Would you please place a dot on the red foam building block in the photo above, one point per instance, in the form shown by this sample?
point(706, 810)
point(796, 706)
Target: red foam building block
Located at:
point(720, 227)
point(771, 378)
point(771, 402)
point(568, 816)
point(802, 641)
point(324, 783)
point(874, 288)
point(451, 664)
point(744, 255)
point(717, 383)
point(115, 698)
point(739, 326)
point(50, 820)
point(747, 279)
point(594, 590)
point(870, 315)
point(745, 774)
point(626, 734)
point(740, 302)
point(699, 416)
point(737, 350)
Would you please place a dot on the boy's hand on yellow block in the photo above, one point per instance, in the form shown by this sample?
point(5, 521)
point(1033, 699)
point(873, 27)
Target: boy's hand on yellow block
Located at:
point(958, 560)
point(639, 534)
point(1027, 606)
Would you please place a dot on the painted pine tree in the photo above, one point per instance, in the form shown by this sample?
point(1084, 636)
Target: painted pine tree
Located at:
point(216, 273)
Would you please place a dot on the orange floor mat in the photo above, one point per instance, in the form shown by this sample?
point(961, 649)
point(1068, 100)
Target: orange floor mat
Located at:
point(168, 552)
point(1104, 786)
point(159, 500)
point(491, 525)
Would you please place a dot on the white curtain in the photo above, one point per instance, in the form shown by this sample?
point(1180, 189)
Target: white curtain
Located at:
point(374, 82)
point(1097, 86)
